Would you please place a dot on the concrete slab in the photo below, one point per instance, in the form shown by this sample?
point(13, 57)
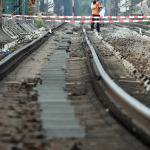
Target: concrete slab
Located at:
point(52, 85)
point(66, 40)
point(53, 122)
point(52, 75)
point(54, 66)
point(52, 69)
point(59, 56)
point(62, 57)
point(61, 126)
point(58, 52)
point(52, 72)
point(67, 115)
point(69, 32)
point(54, 103)
point(62, 47)
point(58, 116)
point(48, 99)
point(48, 111)
point(70, 28)
point(57, 59)
point(66, 44)
point(53, 79)
point(59, 108)
point(52, 91)
point(56, 63)
point(78, 132)
point(49, 95)
point(53, 97)
point(50, 88)
point(67, 36)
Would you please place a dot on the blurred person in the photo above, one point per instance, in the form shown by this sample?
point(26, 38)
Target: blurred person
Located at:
point(95, 6)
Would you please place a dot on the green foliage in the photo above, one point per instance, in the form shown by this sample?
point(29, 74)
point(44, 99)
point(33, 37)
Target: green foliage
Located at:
point(135, 1)
point(148, 3)
point(84, 7)
point(39, 23)
point(138, 8)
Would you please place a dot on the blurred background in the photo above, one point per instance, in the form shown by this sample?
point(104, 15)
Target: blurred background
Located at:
point(82, 7)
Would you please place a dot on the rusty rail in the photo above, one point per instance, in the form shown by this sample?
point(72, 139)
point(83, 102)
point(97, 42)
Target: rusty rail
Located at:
point(138, 113)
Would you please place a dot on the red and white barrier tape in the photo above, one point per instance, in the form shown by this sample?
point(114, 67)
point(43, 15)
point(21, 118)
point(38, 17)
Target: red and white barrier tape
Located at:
point(88, 21)
point(80, 17)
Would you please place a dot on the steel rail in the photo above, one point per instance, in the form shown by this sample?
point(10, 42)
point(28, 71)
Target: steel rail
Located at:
point(139, 113)
point(10, 61)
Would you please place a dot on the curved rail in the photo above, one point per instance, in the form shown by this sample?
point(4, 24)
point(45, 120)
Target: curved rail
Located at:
point(12, 59)
point(139, 113)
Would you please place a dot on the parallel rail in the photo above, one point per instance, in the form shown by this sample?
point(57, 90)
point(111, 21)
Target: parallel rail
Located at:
point(138, 114)
point(9, 62)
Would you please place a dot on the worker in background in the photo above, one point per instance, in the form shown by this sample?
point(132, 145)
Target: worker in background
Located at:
point(95, 6)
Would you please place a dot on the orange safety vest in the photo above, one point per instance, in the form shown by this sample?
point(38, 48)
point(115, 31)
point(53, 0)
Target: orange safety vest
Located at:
point(96, 11)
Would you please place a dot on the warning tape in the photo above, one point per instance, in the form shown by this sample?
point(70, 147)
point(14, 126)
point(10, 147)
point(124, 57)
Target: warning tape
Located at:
point(80, 17)
point(87, 21)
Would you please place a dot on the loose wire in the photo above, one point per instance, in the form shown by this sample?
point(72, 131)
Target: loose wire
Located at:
point(19, 7)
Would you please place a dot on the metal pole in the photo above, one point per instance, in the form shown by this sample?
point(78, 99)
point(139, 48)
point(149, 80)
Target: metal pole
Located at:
point(141, 6)
point(126, 7)
point(47, 8)
point(0, 7)
point(39, 6)
point(7, 7)
point(72, 9)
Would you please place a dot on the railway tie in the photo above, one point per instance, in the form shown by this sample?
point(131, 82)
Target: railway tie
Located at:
point(58, 115)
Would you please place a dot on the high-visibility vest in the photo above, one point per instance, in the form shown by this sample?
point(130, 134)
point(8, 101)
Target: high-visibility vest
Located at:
point(96, 11)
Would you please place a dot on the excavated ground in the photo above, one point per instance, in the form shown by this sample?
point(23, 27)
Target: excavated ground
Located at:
point(131, 45)
point(115, 68)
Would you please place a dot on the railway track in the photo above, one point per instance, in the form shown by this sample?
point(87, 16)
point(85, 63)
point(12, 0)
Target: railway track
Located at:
point(23, 125)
